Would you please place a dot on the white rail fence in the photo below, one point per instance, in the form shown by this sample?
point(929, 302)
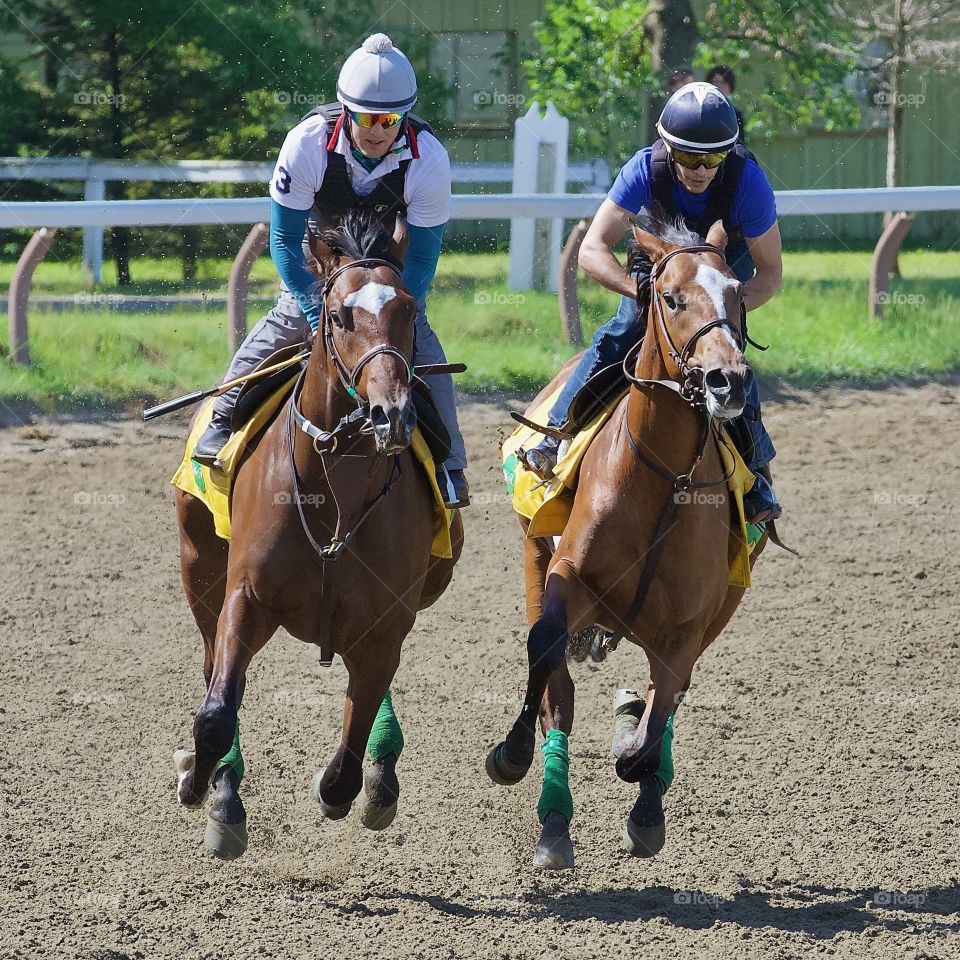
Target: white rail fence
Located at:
point(47, 217)
point(95, 174)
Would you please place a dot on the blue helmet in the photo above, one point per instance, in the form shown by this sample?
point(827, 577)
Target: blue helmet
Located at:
point(699, 118)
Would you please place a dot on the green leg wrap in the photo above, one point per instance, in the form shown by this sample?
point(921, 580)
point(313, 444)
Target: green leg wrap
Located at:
point(234, 758)
point(555, 794)
point(665, 771)
point(385, 735)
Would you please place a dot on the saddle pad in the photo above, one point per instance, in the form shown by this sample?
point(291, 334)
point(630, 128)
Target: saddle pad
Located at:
point(214, 486)
point(547, 505)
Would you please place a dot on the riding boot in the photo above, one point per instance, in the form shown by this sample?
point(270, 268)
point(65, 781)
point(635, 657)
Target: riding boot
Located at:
point(213, 440)
point(761, 502)
point(453, 487)
point(542, 458)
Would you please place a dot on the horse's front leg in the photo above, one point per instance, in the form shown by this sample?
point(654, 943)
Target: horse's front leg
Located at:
point(508, 762)
point(244, 628)
point(555, 807)
point(642, 757)
point(370, 671)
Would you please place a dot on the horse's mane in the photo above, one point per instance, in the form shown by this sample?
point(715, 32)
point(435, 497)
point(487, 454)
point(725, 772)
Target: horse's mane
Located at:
point(358, 235)
point(676, 233)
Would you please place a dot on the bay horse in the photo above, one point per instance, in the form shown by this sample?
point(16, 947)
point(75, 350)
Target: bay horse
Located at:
point(644, 553)
point(332, 521)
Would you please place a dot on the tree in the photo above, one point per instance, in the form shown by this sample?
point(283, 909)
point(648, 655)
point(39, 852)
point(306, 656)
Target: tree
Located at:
point(604, 61)
point(894, 38)
point(162, 81)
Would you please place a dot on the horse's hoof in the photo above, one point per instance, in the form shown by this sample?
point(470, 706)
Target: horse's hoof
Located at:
point(381, 791)
point(226, 841)
point(502, 770)
point(183, 762)
point(643, 841)
point(554, 849)
point(328, 810)
point(645, 831)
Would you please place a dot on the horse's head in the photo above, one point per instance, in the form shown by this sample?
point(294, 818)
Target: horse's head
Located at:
point(368, 322)
point(695, 313)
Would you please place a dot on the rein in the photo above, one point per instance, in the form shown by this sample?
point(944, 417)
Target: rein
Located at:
point(692, 391)
point(352, 424)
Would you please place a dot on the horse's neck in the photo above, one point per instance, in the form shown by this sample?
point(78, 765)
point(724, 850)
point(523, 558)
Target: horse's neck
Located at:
point(669, 428)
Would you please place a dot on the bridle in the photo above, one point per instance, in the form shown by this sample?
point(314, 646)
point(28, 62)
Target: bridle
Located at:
point(352, 424)
point(689, 385)
point(349, 378)
point(358, 421)
point(689, 380)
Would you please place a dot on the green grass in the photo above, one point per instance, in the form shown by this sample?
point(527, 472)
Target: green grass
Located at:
point(817, 328)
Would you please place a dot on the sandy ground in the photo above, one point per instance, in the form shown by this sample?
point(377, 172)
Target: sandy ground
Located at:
point(815, 806)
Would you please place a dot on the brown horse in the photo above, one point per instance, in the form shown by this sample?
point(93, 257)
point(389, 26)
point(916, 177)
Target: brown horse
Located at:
point(644, 552)
point(331, 536)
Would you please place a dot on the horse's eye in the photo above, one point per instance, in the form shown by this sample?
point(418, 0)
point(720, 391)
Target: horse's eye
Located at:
point(336, 318)
point(669, 301)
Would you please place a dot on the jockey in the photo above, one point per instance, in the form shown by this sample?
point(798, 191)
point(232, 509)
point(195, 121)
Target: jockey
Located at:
point(697, 173)
point(365, 152)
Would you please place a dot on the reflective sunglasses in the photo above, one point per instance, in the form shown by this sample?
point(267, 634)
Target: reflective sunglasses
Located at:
point(693, 160)
point(369, 120)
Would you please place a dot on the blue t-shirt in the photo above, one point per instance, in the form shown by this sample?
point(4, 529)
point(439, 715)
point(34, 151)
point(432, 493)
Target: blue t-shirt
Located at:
point(754, 208)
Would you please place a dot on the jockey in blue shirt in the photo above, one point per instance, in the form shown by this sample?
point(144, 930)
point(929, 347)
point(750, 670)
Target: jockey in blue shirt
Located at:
point(696, 173)
point(366, 152)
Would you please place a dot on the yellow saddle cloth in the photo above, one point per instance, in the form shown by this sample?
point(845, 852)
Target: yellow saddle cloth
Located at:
point(213, 486)
point(548, 505)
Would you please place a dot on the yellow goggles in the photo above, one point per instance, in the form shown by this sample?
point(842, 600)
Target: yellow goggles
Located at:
point(369, 120)
point(693, 160)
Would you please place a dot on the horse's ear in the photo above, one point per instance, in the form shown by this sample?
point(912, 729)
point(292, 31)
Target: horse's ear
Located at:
point(717, 236)
point(327, 260)
point(653, 246)
point(398, 243)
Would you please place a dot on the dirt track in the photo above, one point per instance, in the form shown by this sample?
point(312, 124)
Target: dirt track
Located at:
point(815, 806)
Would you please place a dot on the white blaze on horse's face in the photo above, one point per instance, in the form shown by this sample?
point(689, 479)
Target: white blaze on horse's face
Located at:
point(372, 297)
point(714, 284)
point(723, 370)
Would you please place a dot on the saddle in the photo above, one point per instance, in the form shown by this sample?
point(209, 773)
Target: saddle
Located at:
point(255, 392)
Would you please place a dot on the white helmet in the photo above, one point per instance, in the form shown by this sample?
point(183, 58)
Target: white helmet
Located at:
point(377, 78)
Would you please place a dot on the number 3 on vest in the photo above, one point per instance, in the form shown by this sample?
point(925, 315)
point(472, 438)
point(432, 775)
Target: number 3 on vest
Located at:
point(283, 181)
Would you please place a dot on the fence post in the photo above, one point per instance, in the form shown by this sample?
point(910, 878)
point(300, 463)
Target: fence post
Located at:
point(567, 298)
point(93, 189)
point(35, 250)
point(884, 257)
point(539, 166)
point(237, 285)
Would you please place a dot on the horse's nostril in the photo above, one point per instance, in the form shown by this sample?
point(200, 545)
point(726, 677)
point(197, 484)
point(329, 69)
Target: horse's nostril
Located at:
point(379, 418)
point(717, 380)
